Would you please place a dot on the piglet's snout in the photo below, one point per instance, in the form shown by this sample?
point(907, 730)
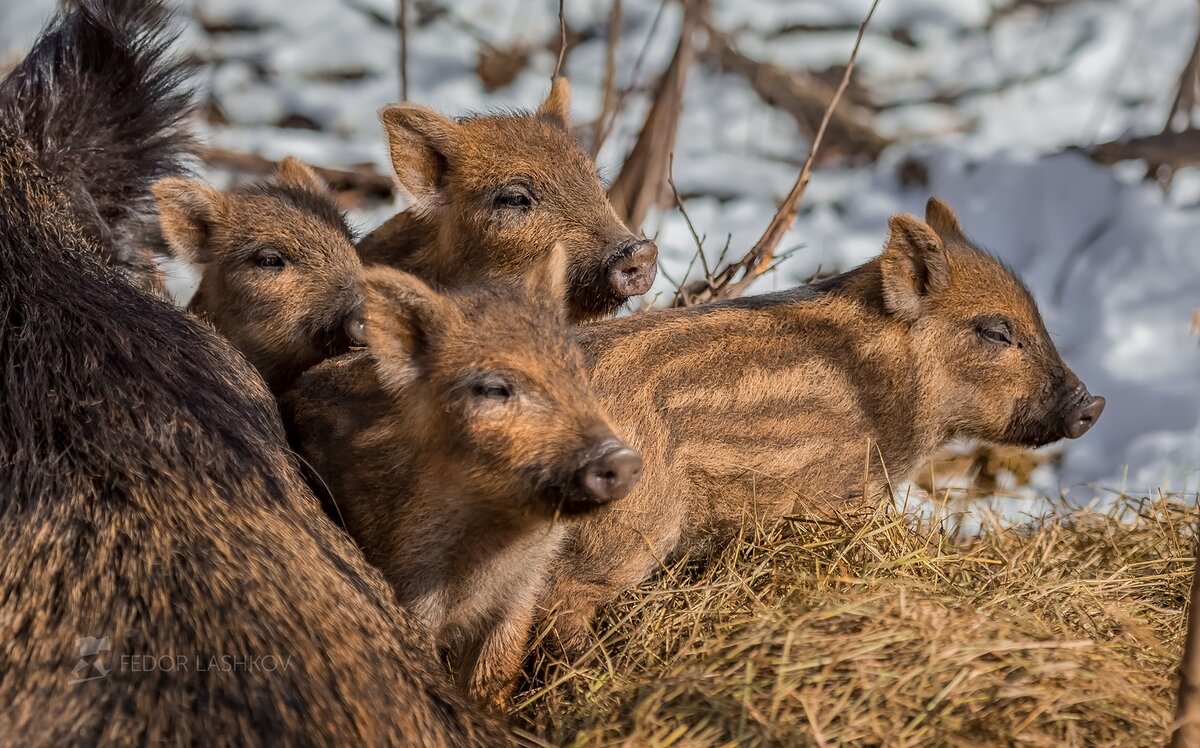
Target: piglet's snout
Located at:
point(612, 475)
point(634, 274)
point(1085, 416)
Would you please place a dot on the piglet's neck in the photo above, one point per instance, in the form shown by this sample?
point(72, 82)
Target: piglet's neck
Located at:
point(460, 548)
point(427, 456)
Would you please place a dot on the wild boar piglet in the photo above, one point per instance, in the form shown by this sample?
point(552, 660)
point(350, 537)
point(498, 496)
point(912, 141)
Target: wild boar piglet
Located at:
point(280, 276)
point(489, 196)
point(458, 450)
point(813, 399)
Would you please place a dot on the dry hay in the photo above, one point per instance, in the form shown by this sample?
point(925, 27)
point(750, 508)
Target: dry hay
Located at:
point(868, 631)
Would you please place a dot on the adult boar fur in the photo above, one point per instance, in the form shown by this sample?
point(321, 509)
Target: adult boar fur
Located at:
point(457, 450)
point(147, 500)
point(811, 400)
point(83, 133)
point(490, 195)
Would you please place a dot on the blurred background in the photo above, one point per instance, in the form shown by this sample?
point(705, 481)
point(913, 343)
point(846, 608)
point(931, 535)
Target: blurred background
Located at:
point(1059, 130)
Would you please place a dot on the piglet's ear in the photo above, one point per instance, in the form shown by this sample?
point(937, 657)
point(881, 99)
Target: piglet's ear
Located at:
point(548, 280)
point(914, 266)
point(188, 212)
point(298, 175)
point(402, 314)
point(422, 143)
point(942, 220)
point(557, 106)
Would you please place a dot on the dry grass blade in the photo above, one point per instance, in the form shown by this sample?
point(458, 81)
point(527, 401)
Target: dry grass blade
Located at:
point(642, 183)
point(733, 279)
point(872, 629)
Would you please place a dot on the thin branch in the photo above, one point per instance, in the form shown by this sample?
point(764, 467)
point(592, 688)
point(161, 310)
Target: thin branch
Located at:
point(642, 183)
point(632, 85)
point(469, 29)
point(803, 95)
point(733, 279)
point(362, 180)
point(1174, 149)
point(1187, 91)
point(608, 98)
point(562, 46)
point(688, 219)
point(402, 28)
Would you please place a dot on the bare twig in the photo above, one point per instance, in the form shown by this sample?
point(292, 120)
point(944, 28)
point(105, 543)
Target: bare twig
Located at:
point(1086, 242)
point(1175, 149)
point(732, 280)
point(562, 47)
point(363, 180)
point(608, 98)
point(691, 226)
point(622, 96)
point(1188, 90)
point(1183, 109)
point(642, 183)
point(402, 29)
point(803, 95)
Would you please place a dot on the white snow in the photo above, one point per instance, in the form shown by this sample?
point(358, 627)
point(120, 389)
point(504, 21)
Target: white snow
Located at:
point(1111, 259)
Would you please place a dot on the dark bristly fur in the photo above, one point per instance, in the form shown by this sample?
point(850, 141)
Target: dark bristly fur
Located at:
point(146, 495)
point(105, 115)
point(813, 399)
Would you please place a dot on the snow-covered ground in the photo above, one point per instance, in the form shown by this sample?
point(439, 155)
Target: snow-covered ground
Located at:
point(1112, 260)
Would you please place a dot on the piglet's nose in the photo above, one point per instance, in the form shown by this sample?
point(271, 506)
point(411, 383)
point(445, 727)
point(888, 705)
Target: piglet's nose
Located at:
point(1085, 417)
point(612, 475)
point(633, 274)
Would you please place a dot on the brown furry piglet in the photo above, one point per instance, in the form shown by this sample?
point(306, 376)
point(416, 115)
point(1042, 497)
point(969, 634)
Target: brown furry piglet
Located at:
point(490, 195)
point(811, 399)
point(281, 278)
point(457, 450)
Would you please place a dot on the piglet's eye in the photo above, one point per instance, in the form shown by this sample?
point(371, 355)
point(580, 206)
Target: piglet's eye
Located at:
point(996, 335)
point(515, 196)
point(492, 390)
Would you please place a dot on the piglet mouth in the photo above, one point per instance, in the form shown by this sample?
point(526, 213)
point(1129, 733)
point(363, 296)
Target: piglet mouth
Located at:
point(340, 333)
point(332, 343)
